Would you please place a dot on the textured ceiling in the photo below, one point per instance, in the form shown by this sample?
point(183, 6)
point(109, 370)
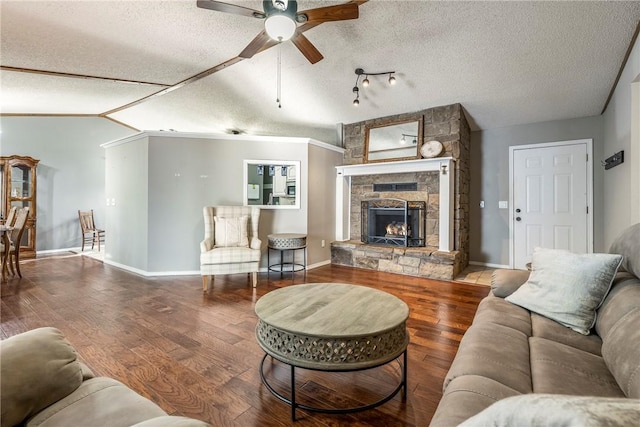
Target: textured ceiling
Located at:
point(507, 63)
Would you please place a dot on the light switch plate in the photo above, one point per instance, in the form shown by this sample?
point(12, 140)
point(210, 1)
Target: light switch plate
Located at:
point(503, 204)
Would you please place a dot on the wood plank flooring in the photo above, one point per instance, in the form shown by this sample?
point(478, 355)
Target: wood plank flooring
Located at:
point(195, 354)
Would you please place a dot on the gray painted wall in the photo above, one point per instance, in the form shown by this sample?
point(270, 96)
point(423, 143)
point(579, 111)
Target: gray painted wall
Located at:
point(186, 173)
point(322, 202)
point(489, 227)
point(127, 231)
point(70, 173)
point(618, 181)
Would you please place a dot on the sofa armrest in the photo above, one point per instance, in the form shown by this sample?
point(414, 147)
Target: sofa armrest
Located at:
point(505, 282)
point(38, 368)
point(255, 243)
point(206, 245)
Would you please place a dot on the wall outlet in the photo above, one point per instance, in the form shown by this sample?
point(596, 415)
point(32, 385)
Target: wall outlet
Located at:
point(322, 243)
point(503, 204)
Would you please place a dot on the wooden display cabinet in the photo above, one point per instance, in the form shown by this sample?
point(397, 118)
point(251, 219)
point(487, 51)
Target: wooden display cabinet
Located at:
point(18, 188)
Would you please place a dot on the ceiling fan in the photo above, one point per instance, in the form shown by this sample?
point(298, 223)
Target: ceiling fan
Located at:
point(281, 23)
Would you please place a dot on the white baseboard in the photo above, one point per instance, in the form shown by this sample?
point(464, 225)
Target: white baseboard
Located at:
point(151, 273)
point(57, 251)
point(488, 264)
point(318, 264)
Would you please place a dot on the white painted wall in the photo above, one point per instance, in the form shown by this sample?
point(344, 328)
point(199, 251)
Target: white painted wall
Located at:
point(70, 173)
point(622, 183)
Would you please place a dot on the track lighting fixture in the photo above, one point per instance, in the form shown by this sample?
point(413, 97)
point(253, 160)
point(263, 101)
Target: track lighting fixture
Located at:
point(365, 82)
point(403, 140)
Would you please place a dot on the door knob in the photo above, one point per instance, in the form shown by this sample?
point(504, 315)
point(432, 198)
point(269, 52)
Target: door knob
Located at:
point(518, 218)
point(517, 210)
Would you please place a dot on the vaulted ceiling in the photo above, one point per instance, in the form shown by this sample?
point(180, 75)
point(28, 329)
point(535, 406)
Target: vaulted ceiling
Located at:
point(507, 63)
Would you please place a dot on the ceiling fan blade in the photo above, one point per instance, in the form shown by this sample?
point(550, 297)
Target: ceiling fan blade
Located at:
point(339, 12)
point(307, 48)
point(230, 8)
point(256, 45)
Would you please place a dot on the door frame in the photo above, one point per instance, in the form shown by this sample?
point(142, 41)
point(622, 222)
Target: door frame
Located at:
point(513, 148)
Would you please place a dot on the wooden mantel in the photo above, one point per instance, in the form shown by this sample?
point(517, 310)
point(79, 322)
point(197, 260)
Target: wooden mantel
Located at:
point(445, 165)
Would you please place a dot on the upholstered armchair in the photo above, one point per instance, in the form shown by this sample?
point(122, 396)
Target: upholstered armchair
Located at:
point(231, 244)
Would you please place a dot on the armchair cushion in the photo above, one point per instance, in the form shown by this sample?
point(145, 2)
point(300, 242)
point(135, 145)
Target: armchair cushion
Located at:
point(231, 232)
point(38, 368)
point(229, 255)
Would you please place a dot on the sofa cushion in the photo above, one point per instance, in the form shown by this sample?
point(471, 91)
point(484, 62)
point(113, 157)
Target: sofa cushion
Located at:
point(543, 327)
point(99, 401)
point(621, 353)
point(496, 310)
point(466, 396)
point(38, 368)
point(555, 410)
point(505, 282)
point(628, 245)
point(560, 369)
point(493, 351)
point(567, 287)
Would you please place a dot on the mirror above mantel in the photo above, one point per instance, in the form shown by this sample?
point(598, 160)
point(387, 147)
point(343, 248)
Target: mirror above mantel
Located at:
point(272, 184)
point(393, 140)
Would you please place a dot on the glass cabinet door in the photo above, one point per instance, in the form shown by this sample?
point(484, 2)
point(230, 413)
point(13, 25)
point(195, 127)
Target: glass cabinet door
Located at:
point(19, 190)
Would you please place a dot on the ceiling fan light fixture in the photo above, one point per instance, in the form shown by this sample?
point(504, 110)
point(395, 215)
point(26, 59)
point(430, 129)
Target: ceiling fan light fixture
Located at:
point(392, 80)
point(280, 27)
point(365, 82)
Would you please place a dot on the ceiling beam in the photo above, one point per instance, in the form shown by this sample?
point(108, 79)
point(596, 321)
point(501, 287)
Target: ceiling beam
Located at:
point(624, 63)
point(79, 76)
point(302, 28)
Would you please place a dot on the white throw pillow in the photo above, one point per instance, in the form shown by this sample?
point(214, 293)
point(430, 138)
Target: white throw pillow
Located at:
point(567, 287)
point(231, 232)
point(558, 410)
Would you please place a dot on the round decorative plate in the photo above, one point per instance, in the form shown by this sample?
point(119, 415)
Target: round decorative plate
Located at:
point(431, 149)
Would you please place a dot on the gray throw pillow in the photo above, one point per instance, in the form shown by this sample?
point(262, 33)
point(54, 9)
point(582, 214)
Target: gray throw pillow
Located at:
point(567, 287)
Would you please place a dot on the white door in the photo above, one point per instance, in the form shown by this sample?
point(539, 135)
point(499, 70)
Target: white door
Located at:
point(550, 194)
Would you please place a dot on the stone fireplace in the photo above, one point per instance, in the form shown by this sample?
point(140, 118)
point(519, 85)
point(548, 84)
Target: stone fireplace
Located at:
point(441, 184)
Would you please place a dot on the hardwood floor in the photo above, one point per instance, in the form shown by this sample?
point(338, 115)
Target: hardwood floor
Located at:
point(195, 354)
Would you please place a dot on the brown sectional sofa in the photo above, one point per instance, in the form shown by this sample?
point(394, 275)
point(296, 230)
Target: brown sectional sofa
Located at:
point(43, 384)
point(510, 351)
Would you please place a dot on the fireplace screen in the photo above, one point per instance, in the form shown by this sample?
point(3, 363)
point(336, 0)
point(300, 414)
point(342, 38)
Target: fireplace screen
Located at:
point(393, 222)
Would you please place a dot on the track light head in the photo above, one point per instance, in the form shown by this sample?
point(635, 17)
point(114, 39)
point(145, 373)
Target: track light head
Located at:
point(365, 82)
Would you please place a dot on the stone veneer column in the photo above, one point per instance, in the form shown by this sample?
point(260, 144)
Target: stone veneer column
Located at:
point(446, 124)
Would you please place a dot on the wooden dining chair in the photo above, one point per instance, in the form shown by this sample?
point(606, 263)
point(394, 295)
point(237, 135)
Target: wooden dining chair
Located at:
point(89, 231)
point(15, 237)
point(11, 216)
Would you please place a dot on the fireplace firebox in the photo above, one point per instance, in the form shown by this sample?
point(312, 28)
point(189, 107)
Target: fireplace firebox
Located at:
point(393, 222)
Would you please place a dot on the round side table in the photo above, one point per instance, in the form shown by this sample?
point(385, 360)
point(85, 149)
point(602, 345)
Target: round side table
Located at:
point(283, 242)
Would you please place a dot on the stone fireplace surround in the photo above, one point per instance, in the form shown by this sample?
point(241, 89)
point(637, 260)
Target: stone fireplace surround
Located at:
point(447, 250)
point(439, 261)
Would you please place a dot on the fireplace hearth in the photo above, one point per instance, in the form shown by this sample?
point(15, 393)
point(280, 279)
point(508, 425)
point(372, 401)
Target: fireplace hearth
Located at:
point(393, 222)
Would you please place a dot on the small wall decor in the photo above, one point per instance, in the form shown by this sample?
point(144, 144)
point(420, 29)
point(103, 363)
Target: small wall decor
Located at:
point(614, 160)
